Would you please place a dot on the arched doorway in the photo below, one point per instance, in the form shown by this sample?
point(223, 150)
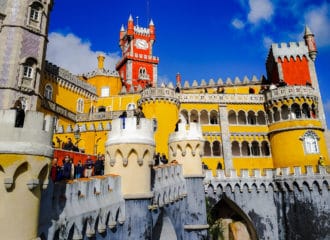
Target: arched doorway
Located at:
point(226, 219)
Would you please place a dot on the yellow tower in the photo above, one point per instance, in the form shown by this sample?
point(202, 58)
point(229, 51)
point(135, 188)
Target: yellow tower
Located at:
point(129, 153)
point(162, 105)
point(25, 156)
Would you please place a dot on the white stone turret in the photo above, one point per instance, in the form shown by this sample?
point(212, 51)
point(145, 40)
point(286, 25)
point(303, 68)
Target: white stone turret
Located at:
point(186, 147)
point(130, 149)
point(25, 155)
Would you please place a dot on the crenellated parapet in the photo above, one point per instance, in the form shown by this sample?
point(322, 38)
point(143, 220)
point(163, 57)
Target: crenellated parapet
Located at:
point(284, 50)
point(68, 80)
point(186, 147)
point(168, 185)
point(279, 179)
point(85, 206)
point(228, 82)
point(129, 130)
point(29, 146)
point(34, 138)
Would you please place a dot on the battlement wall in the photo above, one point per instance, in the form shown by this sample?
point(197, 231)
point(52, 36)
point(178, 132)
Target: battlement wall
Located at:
point(280, 179)
point(285, 50)
point(187, 132)
point(34, 138)
point(85, 205)
point(126, 130)
point(59, 74)
point(169, 184)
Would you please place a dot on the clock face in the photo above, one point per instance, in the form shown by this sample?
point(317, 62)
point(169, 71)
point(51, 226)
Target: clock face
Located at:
point(141, 44)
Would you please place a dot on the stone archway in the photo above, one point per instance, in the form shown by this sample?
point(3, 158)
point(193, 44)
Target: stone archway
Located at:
point(228, 222)
point(164, 228)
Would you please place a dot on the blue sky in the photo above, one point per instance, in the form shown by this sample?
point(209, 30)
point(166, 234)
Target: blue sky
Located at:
point(201, 39)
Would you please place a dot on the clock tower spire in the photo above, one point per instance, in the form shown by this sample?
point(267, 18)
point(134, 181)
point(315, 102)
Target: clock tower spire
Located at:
point(137, 66)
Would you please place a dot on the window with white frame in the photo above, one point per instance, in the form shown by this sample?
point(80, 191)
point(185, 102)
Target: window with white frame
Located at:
point(310, 141)
point(49, 92)
point(105, 92)
point(35, 14)
point(28, 71)
point(80, 105)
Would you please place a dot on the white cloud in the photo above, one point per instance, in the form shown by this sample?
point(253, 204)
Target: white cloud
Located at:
point(237, 23)
point(72, 53)
point(260, 10)
point(318, 20)
point(267, 41)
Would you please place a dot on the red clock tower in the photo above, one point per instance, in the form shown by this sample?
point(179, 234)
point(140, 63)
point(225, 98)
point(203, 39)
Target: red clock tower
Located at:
point(137, 67)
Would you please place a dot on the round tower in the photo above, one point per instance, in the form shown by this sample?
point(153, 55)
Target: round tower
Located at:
point(295, 129)
point(162, 105)
point(130, 148)
point(25, 156)
point(186, 147)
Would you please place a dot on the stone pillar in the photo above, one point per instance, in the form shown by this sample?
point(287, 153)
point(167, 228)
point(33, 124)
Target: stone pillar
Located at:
point(25, 156)
point(225, 135)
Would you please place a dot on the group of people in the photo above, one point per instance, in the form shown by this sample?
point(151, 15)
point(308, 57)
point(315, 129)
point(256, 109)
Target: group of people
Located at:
point(138, 113)
point(160, 159)
point(68, 170)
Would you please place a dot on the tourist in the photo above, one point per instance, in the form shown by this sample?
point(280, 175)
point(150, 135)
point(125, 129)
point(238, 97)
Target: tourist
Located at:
point(89, 167)
point(78, 170)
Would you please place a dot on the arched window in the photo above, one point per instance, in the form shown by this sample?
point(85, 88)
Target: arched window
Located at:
point(143, 74)
point(241, 117)
point(306, 111)
point(204, 117)
point(80, 105)
point(276, 114)
point(310, 141)
point(216, 148)
point(214, 117)
point(193, 116)
point(29, 70)
point(261, 118)
point(35, 14)
point(265, 148)
point(252, 118)
point(295, 111)
point(184, 113)
point(48, 92)
point(270, 116)
point(235, 148)
point(245, 149)
point(207, 149)
point(232, 117)
point(255, 149)
point(285, 112)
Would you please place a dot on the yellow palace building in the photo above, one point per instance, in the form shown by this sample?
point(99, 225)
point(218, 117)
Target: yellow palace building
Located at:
point(267, 122)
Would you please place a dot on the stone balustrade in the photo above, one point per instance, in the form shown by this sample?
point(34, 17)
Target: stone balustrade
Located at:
point(287, 92)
